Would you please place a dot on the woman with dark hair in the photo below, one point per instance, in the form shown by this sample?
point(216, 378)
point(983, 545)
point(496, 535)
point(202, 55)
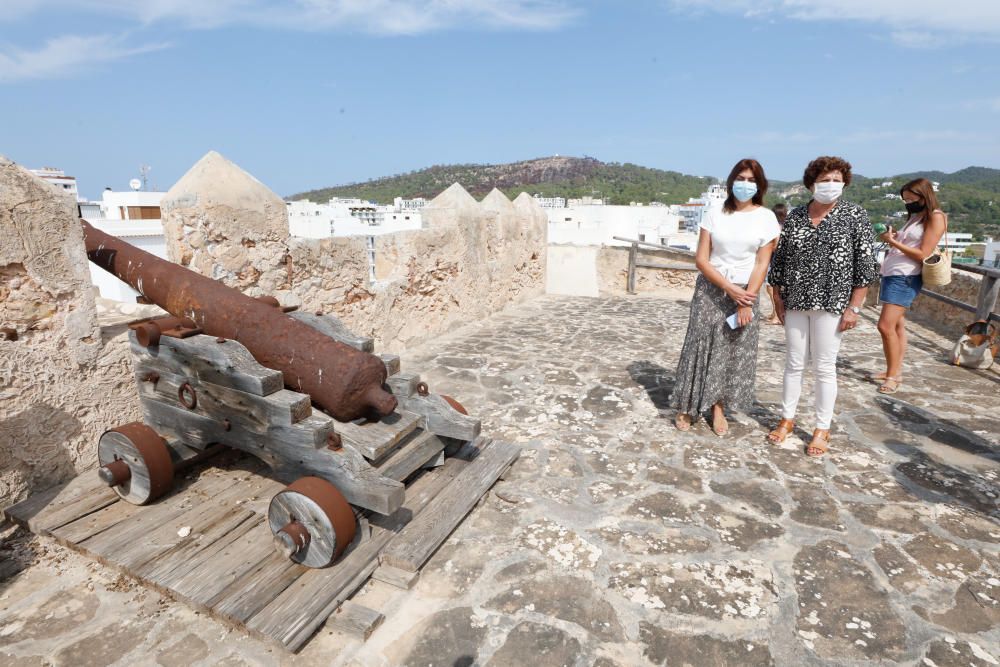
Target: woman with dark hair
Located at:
point(780, 212)
point(823, 264)
point(719, 358)
point(901, 273)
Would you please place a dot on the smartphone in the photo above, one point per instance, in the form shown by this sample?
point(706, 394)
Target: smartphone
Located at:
point(733, 322)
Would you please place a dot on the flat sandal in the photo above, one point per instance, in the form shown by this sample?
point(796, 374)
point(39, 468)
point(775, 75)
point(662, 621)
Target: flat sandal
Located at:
point(820, 442)
point(781, 431)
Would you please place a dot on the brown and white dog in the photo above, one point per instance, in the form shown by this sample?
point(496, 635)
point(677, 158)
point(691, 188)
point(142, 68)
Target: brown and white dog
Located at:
point(978, 347)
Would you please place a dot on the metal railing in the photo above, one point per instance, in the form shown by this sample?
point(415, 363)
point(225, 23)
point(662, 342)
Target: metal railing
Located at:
point(634, 262)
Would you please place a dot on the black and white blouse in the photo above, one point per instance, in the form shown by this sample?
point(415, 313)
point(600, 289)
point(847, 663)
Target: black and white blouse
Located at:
point(816, 268)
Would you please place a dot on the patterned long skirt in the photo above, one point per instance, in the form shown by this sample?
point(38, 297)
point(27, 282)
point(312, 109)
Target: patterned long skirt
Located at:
point(717, 363)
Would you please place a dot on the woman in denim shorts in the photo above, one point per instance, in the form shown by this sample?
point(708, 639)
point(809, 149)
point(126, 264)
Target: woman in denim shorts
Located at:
point(901, 279)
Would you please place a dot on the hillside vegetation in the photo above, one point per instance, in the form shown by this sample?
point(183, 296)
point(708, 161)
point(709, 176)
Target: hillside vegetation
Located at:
point(970, 196)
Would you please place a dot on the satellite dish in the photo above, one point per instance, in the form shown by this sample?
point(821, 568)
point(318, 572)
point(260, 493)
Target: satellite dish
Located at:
point(135, 184)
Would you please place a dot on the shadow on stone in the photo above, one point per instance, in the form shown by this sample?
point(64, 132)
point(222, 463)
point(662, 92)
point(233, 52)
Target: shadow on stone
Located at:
point(656, 380)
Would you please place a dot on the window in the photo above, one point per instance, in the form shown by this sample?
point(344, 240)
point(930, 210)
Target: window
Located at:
point(642, 237)
point(143, 212)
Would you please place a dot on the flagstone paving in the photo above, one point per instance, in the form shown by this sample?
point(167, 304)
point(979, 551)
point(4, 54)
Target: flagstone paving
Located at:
point(617, 540)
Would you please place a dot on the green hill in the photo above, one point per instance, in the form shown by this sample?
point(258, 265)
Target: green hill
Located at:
point(548, 177)
point(971, 196)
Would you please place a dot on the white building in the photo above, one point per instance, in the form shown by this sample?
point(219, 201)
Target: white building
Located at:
point(991, 255)
point(598, 224)
point(59, 179)
point(955, 241)
point(353, 217)
point(550, 202)
point(694, 211)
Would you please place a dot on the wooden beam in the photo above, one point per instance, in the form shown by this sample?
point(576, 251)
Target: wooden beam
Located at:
point(355, 620)
point(674, 266)
point(632, 257)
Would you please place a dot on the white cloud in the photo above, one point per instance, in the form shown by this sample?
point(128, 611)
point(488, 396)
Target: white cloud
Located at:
point(908, 21)
point(65, 55)
point(377, 16)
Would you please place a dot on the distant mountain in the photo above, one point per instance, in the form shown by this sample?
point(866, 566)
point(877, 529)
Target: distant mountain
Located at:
point(549, 176)
point(971, 196)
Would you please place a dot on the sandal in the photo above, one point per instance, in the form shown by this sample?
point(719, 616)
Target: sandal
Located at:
point(683, 421)
point(891, 385)
point(720, 428)
point(819, 444)
point(878, 378)
point(778, 435)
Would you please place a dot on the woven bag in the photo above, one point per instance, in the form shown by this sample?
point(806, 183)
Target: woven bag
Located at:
point(937, 268)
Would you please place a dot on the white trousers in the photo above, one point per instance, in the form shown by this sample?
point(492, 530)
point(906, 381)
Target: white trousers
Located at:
point(813, 332)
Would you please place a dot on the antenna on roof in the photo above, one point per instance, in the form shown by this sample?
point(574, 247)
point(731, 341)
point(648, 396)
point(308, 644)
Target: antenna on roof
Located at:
point(144, 170)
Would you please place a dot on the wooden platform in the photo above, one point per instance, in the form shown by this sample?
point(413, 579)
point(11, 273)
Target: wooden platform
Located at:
point(208, 544)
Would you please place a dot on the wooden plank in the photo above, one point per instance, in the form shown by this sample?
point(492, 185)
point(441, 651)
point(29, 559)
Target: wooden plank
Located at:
point(421, 538)
point(253, 590)
point(412, 454)
point(439, 417)
point(192, 554)
point(228, 364)
point(332, 326)
point(676, 266)
point(94, 523)
point(82, 495)
point(209, 498)
point(241, 408)
point(293, 616)
point(630, 280)
point(396, 577)
point(355, 620)
point(200, 585)
point(986, 302)
point(403, 385)
point(373, 439)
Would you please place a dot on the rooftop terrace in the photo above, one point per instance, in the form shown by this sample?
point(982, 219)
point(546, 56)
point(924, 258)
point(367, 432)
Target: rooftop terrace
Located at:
point(617, 540)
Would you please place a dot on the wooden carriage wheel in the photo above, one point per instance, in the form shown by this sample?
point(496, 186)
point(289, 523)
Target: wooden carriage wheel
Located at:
point(311, 521)
point(135, 461)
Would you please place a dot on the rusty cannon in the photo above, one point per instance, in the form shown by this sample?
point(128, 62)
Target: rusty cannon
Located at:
point(344, 381)
point(224, 370)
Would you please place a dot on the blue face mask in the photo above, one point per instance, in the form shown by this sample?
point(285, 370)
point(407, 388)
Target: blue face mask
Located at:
point(744, 190)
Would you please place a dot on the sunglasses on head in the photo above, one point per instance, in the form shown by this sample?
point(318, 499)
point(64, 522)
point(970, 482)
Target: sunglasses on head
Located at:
point(979, 329)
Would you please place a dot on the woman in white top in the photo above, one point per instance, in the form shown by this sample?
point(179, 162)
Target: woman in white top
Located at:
point(901, 273)
point(718, 362)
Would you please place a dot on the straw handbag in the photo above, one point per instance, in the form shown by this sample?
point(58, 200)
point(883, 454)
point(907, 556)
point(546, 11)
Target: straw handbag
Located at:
point(937, 267)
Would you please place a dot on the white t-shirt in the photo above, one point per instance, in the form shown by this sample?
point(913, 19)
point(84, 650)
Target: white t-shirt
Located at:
point(736, 237)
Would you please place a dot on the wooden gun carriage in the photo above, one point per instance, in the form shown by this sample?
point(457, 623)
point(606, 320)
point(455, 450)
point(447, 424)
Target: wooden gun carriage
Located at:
point(350, 442)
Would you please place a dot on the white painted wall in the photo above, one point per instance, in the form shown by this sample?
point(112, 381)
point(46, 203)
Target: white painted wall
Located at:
point(144, 234)
point(598, 225)
point(571, 270)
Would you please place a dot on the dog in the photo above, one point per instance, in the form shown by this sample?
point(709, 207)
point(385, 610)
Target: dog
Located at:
point(978, 347)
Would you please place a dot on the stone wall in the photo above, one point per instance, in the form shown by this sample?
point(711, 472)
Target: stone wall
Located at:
point(63, 380)
point(612, 272)
point(471, 259)
point(946, 319)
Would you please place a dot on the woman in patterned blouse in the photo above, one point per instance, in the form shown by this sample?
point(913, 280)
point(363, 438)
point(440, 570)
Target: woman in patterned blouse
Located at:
point(822, 266)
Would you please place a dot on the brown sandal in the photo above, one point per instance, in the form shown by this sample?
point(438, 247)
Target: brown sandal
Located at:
point(778, 435)
point(819, 443)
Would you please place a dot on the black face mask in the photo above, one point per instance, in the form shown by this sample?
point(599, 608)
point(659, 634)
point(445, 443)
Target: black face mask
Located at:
point(914, 207)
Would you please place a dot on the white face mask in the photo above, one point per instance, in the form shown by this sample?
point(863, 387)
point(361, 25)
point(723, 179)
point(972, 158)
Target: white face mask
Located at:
point(827, 192)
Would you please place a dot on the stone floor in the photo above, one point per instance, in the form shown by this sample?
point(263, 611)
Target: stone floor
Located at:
point(616, 540)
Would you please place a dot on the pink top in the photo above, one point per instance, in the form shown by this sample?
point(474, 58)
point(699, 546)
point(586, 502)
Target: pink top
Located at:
point(895, 262)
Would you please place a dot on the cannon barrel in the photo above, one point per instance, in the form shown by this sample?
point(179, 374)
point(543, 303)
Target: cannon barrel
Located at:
point(344, 381)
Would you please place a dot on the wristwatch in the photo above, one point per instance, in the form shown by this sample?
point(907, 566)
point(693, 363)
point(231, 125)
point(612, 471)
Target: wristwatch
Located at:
point(855, 310)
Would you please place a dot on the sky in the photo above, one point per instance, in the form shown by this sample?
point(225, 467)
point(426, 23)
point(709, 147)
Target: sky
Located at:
point(311, 93)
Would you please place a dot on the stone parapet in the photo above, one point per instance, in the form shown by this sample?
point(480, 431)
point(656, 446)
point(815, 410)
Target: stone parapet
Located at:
point(944, 318)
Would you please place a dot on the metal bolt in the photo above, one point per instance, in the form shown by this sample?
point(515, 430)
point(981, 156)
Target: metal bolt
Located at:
point(151, 376)
point(334, 442)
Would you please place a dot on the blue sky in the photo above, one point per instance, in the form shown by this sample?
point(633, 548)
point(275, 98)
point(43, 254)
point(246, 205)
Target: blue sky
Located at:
point(308, 93)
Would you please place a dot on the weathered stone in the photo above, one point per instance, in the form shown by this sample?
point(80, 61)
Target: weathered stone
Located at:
point(187, 650)
point(104, 647)
point(676, 477)
point(60, 614)
point(585, 606)
point(950, 652)
point(731, 589)
point(662, 540)
point(942, 558)
point(663, 506)
point(739, 530)
point(902, 573)
point(843, 614)
point(536, 644)
point(814, 506)
point(752, 494)
point(968, 524)
point(449, 638)
point(561, 546)
point(976, 606)
point(972, 490)
point(665, 647)
point(897, 517)
point(874, 484)
point(711, 459)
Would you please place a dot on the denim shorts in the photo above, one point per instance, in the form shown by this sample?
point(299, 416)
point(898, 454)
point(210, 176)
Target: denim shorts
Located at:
point(900, 290)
